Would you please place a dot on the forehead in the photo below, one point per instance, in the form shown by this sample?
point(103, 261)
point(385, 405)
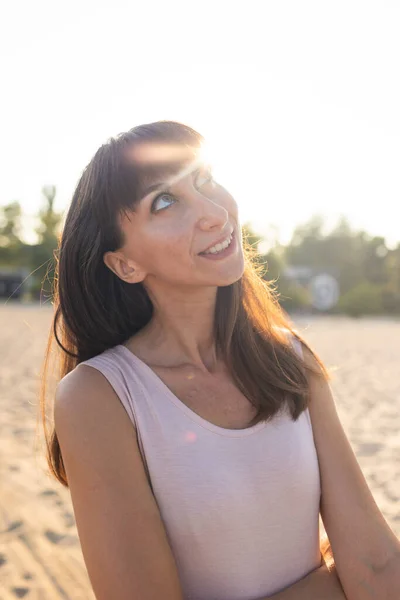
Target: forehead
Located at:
point(161, 162)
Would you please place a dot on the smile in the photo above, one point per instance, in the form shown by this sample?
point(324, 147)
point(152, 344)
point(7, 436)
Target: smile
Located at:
point(219, 247)
point(221, 250)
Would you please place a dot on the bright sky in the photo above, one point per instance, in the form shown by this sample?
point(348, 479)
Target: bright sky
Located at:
point(299, 100)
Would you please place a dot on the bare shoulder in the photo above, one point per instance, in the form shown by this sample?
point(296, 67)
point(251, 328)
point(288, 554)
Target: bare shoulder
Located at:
point(85, 392)
point(79, 382)
point(120, 528)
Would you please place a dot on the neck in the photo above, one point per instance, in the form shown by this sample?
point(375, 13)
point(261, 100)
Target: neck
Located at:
point(182, 327)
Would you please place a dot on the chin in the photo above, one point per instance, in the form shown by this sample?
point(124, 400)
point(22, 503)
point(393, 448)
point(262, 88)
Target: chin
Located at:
point(228, 274)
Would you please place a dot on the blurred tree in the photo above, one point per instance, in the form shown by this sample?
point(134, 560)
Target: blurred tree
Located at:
point(11, 245)
point(355, 258)
point(375, 264)
point(391, 290)
point(274, 265)
point(306, 234)
point(293, 296)
point(42, 254)
point(49, 220)
point(364, 299)
point(10, 224)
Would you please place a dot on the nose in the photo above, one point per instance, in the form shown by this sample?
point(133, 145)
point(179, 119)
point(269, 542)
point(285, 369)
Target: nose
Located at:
point(213, 217)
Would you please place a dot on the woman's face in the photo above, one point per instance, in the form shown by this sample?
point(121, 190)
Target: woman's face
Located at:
point(183, 232)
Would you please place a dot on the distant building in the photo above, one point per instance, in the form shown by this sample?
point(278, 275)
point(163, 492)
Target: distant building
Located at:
point(300, 274)
point(12, 282)
point(323, 284)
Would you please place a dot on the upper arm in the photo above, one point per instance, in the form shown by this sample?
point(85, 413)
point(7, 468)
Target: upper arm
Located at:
point(124, 543)
point(361, 540)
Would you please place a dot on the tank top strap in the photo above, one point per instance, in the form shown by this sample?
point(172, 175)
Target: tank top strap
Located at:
point(122, 377)
point(115, 371)
point(296, 344)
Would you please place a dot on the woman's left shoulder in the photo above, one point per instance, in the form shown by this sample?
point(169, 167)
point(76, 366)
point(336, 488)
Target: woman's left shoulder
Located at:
point(361, 540)
point(290, 335)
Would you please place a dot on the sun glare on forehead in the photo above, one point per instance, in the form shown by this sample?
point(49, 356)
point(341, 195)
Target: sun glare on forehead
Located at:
point(167, 153)
point(207, 154)
point(166, 163)
point(163, 153)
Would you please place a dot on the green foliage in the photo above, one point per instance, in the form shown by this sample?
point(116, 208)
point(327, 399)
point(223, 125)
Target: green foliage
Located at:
point(37, 258)
point(11, 247)
point(391, 300)
point(364, 299)
point(10, 224)
point(43, 253)
point(368, 273)
point(274, 265)
point(293, 296)
point(49, 220)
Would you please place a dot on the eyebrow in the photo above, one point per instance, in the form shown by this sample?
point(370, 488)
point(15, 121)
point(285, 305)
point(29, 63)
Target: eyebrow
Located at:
point(154, 187)
point(165, 185)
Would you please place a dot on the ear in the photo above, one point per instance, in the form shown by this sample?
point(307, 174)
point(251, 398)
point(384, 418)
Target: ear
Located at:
point(123, 268)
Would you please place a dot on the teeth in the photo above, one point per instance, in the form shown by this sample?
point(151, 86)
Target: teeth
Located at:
point(218, 247)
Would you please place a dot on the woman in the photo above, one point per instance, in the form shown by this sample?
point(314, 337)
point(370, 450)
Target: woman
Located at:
point(194, 427)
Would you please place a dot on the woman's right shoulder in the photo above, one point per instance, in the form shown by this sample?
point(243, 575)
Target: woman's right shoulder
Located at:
point(83, 381)
point(84, 395)
point(105, 379)
point(122, 535)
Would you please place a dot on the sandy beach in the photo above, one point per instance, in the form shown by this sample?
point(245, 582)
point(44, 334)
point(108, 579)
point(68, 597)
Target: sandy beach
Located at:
point(40, 555)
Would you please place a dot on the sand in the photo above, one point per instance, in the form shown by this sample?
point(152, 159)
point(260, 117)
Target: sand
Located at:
point(40, 555)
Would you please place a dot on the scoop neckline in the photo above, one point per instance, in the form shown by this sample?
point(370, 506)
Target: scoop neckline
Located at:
point(184, 408)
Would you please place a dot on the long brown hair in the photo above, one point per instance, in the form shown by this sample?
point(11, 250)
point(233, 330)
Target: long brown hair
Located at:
point(95, 310)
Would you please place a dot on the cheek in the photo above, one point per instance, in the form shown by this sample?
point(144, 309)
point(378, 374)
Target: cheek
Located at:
point(162, 246)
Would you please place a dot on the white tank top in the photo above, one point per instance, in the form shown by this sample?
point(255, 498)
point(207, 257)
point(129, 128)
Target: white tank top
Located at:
point(240, 507)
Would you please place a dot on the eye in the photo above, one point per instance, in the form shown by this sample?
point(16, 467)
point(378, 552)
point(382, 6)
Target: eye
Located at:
point(162, 201)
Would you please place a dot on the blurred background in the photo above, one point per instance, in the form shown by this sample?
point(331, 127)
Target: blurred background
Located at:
point(299, 105)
